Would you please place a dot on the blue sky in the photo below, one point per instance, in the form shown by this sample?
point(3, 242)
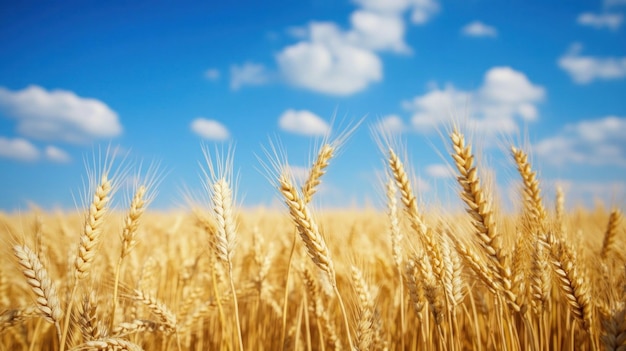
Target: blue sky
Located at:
point(161, 79)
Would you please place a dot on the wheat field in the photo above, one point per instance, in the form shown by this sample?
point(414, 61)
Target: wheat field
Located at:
point(403, 277)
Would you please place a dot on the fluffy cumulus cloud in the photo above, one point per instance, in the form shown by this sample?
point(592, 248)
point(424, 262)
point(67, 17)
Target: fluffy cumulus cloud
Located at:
point(303, 122)
point(249, 73)
point(209, 129)
point(599, 141)
point(479, 29)
point(505, 96)
point(59, 115)
point(18, 149)
point(586, 69)
point(56, 154)
point(340, 70)
point(603, 20)
point(337, 61)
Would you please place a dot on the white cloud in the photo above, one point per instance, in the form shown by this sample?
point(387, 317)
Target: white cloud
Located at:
point(585, 69)
point(604, 20)
point(303, 122)
point(209, 129)
point(504, 96)
point(18, 149)
point(609, 3)
point(421, 11)
point(328, 63)
point(376, 31)
point(212, 74)
point(391, 124)
point(249, 73)
point(59, 115)
point(55, 154)
point(439, 170)
point(332, 60)
point(479, 29)
point(599, 141)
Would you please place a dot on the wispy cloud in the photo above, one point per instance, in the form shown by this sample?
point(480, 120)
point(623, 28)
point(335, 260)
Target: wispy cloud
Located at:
point(479, 29)
point(303, 122)
point(212, 74)
point(18, 149)
point(586, 69)
point(56, 154)
point(439, 170)
point(209, 129)
point(611, 3)
point(249, 73)
point(59, 115)
point(505, 95)
point(602, 20)
point(421, 11)
point(391, 124)
point(600, 141)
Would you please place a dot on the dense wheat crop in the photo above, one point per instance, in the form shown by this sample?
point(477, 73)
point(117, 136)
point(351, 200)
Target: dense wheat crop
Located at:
point(399, 278)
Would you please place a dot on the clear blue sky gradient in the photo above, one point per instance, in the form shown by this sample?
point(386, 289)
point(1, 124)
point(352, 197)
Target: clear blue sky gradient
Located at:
point(147, 61)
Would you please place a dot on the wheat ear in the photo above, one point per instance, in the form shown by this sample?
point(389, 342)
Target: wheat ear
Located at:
point(328, 327)
point(108, 344)
point(39, 281)
point(313, 240)
point(614, 325)
point(426, 235)
point(90, 328)
point(479, 207)
point(317, 171)
point(365, 302)
point(128, 238)
point(93, 228)
point(307, 228)
point(572, 283)
point(309, 188)
point(89, 241)
point(608, 244)
point(396, 248)
point(159, 309)
point(532, 192)
point(226, 235)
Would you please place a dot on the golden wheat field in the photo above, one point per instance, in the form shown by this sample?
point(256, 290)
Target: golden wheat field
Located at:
point(404, 277)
